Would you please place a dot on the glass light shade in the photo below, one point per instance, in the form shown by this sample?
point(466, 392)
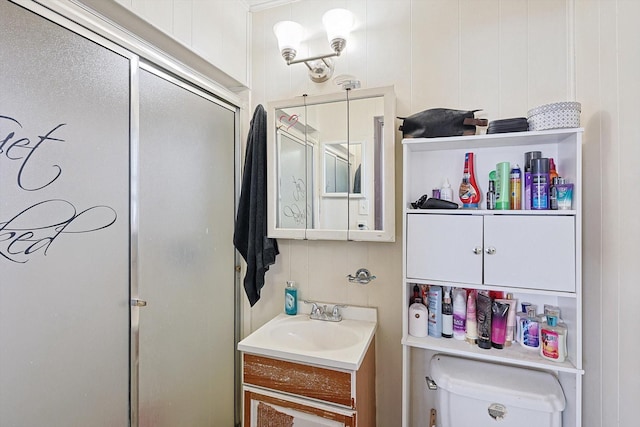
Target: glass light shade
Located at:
point(338, 23)
point(289, 35)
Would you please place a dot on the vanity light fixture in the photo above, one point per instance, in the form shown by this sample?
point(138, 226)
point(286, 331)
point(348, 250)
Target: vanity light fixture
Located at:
point(337, 23)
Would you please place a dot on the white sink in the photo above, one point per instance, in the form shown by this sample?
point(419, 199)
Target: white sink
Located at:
point(314, 335)
point(334, 344)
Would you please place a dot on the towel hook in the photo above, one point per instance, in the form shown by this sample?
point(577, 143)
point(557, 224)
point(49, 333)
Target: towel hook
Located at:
point(363, 276)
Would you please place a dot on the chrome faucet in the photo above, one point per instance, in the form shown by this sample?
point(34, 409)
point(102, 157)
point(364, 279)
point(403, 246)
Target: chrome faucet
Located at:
point(321, 312)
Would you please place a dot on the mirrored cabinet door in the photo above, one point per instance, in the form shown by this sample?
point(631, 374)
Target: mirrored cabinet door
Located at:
point(329, 159)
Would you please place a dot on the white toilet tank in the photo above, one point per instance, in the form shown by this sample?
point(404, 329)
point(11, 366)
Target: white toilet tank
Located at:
point(480, 394)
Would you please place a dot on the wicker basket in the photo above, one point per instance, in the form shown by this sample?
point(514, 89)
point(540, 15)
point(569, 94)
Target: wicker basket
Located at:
point(554, 116)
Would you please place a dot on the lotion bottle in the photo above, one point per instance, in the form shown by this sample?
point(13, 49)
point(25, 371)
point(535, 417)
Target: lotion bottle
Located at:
point(459, 313)
point(530, 330)
point(471, 326)
point(418, 319)
point(553, 337)
point(291, 298)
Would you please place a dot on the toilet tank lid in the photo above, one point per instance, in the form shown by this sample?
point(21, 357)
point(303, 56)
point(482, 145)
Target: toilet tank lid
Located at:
point(508, 385)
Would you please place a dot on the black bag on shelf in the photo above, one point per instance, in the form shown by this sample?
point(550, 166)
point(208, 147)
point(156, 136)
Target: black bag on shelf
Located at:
point(440, 122)
point(516, 124)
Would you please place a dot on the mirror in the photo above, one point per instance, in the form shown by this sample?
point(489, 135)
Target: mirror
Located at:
point(331, 166)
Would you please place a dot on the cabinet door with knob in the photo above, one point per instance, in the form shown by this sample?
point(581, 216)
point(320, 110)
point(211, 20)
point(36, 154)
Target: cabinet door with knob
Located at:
point(535, 252)
point(520, 251)
point(444, 247)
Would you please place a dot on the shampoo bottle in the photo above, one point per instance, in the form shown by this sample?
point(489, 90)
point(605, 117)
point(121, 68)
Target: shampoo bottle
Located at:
point(459, 313)
point(471, 326)
point(435, 311)
point(447, 315)
point(469, 190)
point(291, 298)
point(503, 170)
point(516, 188)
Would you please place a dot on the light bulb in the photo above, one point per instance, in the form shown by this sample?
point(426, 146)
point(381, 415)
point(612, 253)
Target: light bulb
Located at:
point(289, 35)
point(338, 23)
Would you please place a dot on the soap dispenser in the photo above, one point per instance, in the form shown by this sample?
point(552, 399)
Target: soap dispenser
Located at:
point(291, 298)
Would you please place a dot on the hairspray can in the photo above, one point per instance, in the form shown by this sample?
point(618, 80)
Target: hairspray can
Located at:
point(540, 183)
point(528, 156)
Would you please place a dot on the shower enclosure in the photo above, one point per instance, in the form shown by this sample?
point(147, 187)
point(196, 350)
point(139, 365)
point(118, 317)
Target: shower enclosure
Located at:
point(117, 202)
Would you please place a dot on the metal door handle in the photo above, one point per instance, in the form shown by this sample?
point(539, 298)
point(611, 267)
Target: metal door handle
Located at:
point(491, 250)
point(477, 250)
point(138, 303)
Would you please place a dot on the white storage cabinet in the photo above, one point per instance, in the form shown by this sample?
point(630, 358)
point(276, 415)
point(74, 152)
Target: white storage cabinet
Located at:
point(536, 255)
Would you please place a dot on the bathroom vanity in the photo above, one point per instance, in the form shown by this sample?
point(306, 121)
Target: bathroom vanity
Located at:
point(298, 370)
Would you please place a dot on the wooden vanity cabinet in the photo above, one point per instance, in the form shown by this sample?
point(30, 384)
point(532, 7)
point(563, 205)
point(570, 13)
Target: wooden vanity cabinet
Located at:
point(281, 391)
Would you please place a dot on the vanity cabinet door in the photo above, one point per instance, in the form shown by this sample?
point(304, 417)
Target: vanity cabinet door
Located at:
point(444, 247)
point(536, 252)
point(263, 408)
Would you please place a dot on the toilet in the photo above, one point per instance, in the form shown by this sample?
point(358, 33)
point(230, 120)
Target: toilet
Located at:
point(482, 394)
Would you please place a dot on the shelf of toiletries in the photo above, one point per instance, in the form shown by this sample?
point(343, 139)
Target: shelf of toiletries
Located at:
point(456, 324)
point(438, 166)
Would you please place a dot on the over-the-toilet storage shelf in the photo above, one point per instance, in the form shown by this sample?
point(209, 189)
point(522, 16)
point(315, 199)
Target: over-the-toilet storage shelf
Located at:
point(538, 257)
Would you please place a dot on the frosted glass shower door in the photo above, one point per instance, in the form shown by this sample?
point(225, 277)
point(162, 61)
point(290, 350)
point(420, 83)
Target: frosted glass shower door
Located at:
point(64, 226)
point(185, 257)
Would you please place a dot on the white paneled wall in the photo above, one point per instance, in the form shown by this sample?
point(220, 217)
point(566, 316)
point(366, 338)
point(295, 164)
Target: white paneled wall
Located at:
point(608, 66)
point(504, 56)
point(217, 30)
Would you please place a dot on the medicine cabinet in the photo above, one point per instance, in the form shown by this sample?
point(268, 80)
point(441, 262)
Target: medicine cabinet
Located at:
point(331, 166)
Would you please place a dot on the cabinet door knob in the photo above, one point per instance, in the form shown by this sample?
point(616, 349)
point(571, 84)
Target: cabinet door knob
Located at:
point(477, 250)
point(491, 250)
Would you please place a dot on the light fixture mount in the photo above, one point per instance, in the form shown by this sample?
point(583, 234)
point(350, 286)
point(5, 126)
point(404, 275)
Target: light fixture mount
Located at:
point(338, 23)
point(320, 70)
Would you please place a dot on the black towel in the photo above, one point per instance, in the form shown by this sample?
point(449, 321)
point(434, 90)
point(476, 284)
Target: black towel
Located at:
point(250, 234)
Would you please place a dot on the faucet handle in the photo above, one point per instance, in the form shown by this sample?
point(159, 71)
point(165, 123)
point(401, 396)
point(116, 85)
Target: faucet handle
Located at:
point(336, 310)
point(315, 309)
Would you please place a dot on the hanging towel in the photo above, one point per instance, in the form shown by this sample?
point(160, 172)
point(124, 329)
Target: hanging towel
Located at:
point(250, 234)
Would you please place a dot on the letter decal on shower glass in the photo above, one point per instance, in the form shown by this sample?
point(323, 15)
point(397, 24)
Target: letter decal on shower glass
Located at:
point(25, 233)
